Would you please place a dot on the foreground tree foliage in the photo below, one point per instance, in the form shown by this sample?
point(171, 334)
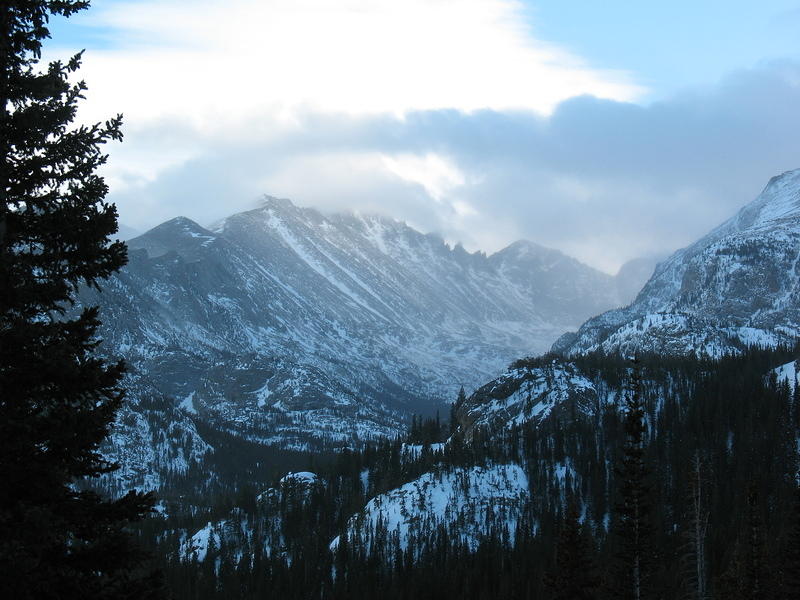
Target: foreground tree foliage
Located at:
point(57, 398)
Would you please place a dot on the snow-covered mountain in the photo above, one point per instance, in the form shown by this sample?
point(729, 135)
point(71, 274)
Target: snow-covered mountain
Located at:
point(739, 285)
point(290, 327)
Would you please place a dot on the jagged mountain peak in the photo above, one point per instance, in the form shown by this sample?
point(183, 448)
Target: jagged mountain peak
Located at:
point(267, 201)
point(180, 234)
point(179, 225)
point(291, 225)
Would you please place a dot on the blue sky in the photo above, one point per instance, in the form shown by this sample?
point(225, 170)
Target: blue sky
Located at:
point(608, 130)
point(668, 46)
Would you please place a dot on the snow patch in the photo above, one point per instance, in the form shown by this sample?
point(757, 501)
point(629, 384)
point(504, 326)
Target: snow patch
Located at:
point(187, 404)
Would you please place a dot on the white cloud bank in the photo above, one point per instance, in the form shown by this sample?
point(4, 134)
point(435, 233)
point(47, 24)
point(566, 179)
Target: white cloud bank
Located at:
point(219, 63)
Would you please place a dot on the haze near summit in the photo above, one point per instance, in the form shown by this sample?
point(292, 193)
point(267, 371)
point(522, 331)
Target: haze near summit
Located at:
point(581, 126)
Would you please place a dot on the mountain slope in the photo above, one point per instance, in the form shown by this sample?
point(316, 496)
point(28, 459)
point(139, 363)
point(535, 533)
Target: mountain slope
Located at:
point(738, 285)
point(290, 327)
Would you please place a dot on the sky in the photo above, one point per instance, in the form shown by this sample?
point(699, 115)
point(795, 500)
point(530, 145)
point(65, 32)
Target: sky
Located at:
point(608, 130)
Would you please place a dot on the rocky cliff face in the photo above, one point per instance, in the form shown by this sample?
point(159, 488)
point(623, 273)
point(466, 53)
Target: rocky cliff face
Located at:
point(737, 286)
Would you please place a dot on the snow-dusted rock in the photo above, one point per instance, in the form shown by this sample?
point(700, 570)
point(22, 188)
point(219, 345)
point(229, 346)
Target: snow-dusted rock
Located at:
point(737, 286)
point(527, 394)
point(151, 438)
point(467, 502)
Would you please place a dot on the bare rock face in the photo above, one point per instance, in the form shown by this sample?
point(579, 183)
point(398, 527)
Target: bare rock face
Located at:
point(737, 286)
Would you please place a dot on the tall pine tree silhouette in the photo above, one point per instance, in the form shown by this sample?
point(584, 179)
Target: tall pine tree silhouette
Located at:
point(632, 524)
point(57, 398)
point(695, 572)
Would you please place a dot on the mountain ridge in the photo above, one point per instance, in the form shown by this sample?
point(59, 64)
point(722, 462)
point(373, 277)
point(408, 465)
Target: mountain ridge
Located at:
point(737, 285)
point(288, 327)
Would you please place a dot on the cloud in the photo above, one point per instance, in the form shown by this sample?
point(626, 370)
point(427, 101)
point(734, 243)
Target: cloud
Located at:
point(602, 180)
point(216, 63)
point(445, 113)
point(438, 175)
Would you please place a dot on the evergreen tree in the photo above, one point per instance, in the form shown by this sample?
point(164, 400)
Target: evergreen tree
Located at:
point(730, 583)
point(755, 574)
point(574, 576)
point(632, 576)
point(696, 574)
point(57, 398)
point(791, 554)
point(454, 408)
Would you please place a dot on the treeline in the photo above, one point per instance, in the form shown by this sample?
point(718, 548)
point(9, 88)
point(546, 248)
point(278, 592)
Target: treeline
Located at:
point(702, 467)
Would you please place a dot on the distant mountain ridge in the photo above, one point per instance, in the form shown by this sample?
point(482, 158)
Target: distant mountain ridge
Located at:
point(736, 286)
point(289, 327)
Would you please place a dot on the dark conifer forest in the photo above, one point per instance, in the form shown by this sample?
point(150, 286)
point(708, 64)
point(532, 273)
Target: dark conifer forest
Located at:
point(712, 467)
